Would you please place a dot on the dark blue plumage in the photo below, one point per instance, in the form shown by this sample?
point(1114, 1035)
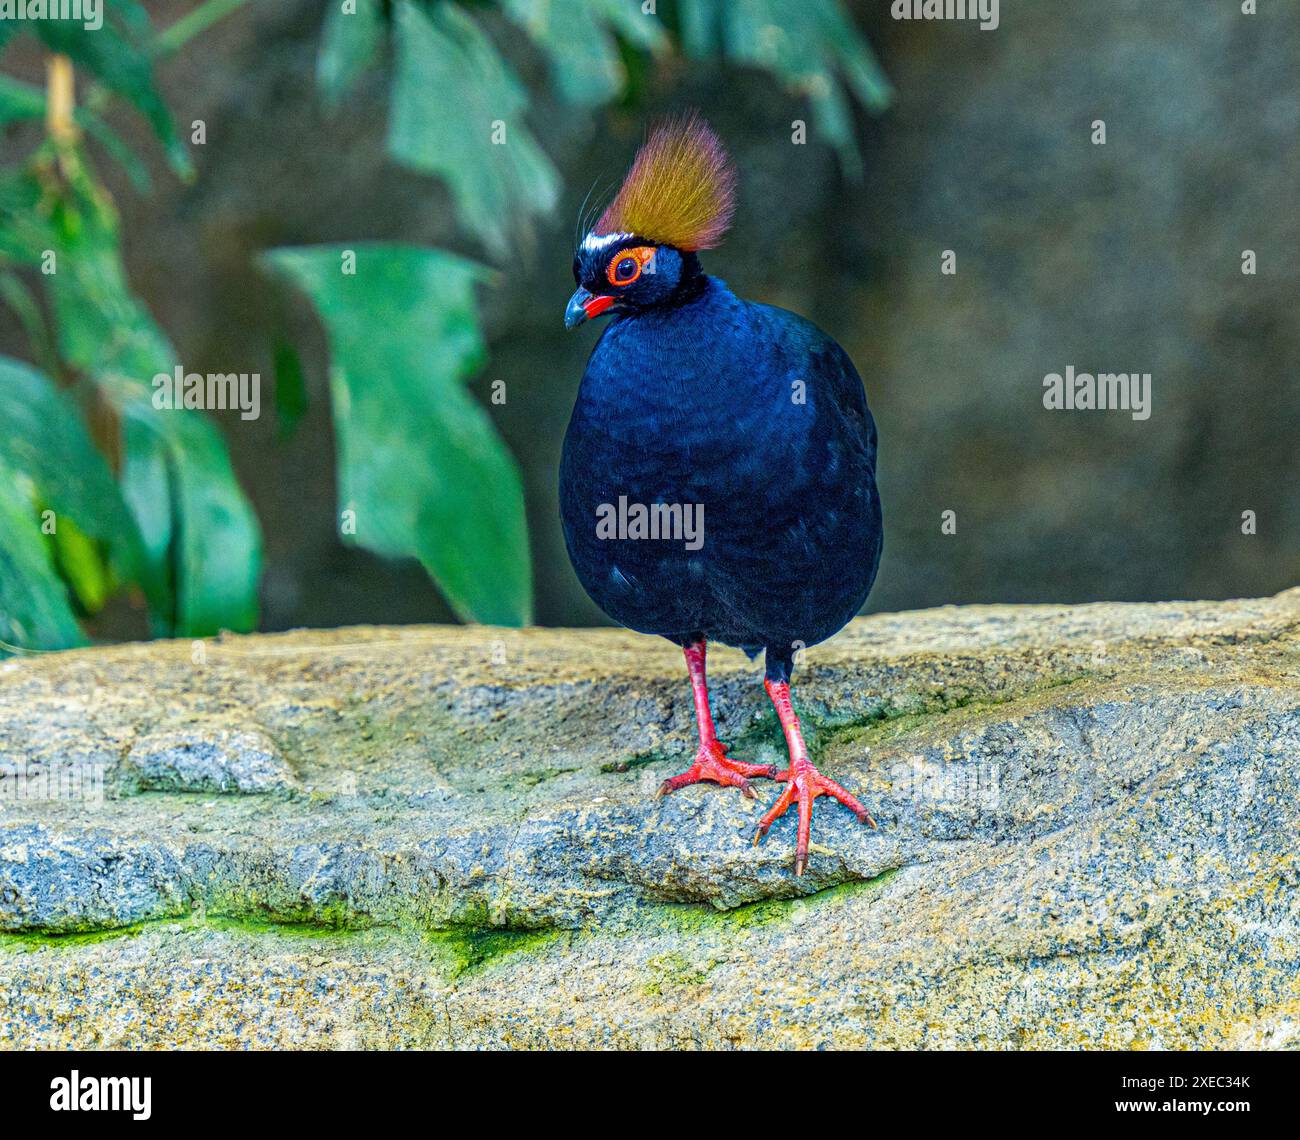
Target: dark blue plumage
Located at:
point(758, 416)
point(745, 430)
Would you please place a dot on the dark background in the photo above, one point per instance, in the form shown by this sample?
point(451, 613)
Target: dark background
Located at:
point(1124, 257)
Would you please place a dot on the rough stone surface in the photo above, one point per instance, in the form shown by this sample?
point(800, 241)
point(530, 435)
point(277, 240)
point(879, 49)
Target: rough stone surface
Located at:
point(448, 837)
point(207, 758)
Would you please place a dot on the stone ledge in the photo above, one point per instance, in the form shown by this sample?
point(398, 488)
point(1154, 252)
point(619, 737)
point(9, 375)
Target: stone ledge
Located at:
point(439, 837)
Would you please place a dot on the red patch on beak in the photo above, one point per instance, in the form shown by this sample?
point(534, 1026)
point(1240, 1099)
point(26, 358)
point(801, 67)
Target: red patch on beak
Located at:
point(594, 306)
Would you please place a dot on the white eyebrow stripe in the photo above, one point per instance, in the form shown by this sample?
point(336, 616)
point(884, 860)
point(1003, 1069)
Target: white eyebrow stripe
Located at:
point(594, 242)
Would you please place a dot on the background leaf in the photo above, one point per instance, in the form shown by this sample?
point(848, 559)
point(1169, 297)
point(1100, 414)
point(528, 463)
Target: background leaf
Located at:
point(810, 44)
point(290, 389)
point(82, 566)
point(449, 87)
point(35, 611)
point(349, 44)
point(216, 545)
point(20, 101)
point(118, 55)
point(202, 548)
point(17, 297)
point(46, 440)
point(26, 230)
point(577, 37)
point(195, 21)
point(419, 461)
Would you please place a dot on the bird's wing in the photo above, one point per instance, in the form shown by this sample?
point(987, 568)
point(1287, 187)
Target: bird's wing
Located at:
point(835, 388)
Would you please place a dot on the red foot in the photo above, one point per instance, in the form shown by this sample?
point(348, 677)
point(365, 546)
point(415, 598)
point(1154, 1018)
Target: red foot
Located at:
point(711, 761)
point(804, 784)
point(711, 764)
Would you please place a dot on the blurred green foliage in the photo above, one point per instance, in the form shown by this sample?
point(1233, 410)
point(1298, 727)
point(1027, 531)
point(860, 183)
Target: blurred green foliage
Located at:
point(101, 491)
point(47, 462)
point(810, 44)
point(403, 334)
point(168, 517)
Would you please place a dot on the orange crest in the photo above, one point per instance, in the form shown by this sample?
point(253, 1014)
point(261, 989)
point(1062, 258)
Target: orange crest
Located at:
point(681, 190)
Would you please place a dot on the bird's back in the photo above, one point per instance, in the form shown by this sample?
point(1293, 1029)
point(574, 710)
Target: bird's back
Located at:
point(750, 421)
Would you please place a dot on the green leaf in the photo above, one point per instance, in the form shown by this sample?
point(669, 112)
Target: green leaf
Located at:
point(810, 44)
point(420, 463)
point(147, 488)
point(452, 93)
point(118, 55)
point(200, 537)
point(35, 611)
point(579, 44)
point(20, 101)
point(194, 22)
point(45, 439)
point(348, 47)
point(701, 26)
point(19, 298)
point(26, 230)
point(78, 558)
point(47, 454)
point(179, 455)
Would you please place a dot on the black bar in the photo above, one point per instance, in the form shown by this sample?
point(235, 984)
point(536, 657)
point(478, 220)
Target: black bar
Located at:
point(932, 1089)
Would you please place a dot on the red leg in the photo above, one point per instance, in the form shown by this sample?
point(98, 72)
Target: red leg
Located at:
point(805, 782)
point(711, 761)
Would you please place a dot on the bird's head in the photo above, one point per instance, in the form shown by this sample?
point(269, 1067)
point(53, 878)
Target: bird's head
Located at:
point(678, 197)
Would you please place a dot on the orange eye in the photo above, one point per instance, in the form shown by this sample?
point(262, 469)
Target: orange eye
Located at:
point(628, 264)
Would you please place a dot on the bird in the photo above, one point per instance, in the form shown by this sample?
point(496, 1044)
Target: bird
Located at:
point(717, 480)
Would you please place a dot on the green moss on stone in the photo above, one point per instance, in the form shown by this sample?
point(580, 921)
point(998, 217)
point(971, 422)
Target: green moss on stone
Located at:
point(674, 969)
point(321, 926)
point(539, 775)
point(463, 949)
point(34, 939)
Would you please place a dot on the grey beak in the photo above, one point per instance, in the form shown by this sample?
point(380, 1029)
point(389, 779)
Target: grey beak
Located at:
point(574, 313)
point(584, 305)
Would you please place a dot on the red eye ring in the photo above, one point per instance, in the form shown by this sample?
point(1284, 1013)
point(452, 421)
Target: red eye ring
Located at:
point(640, 256)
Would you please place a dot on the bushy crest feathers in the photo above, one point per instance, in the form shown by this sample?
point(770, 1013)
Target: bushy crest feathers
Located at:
point(680, 191)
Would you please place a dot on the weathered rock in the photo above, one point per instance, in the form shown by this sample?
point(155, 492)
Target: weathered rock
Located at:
point(209, 758)
point(1088, 832)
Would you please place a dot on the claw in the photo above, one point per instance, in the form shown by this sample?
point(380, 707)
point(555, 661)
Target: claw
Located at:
point(711, 762)
point(803, 781)
point(712, 766)
point(804, 785)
